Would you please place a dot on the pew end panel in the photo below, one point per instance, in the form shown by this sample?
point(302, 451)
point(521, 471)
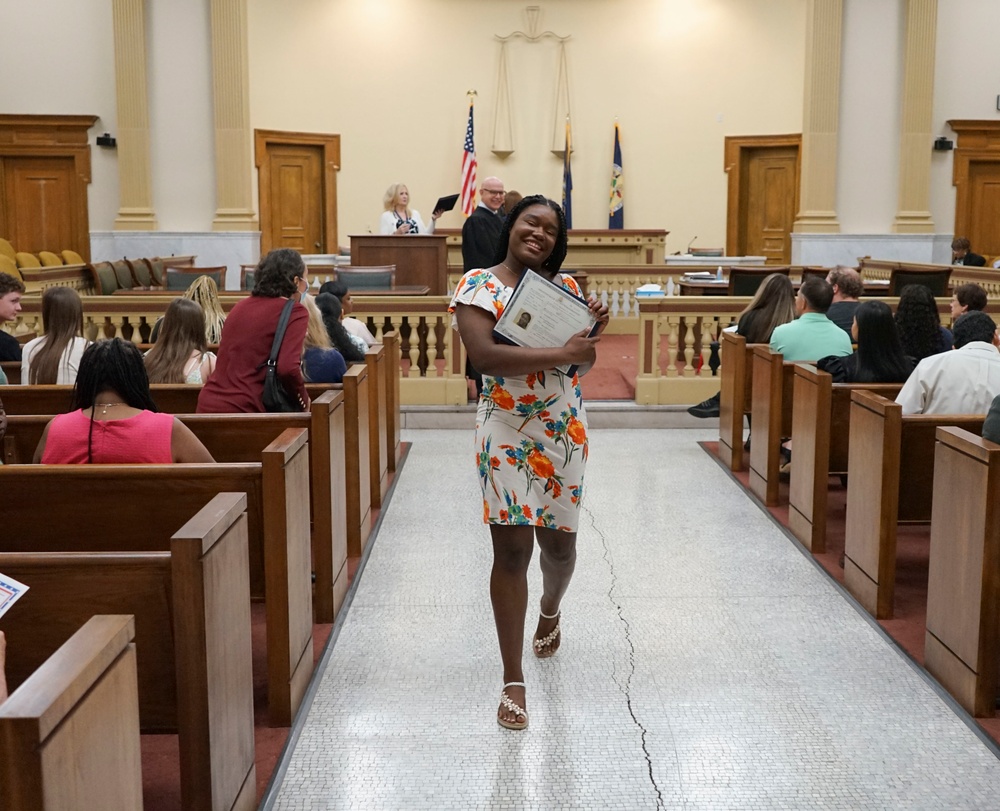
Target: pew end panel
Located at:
point(329, 496)
point(288, 572)
point(771, 419)
point(69, 736)
point(210, 566)
point(377, 424)
point(734, 397)
point(357, 458)
point(393, 355)
point(872, 501)
point(962, 642)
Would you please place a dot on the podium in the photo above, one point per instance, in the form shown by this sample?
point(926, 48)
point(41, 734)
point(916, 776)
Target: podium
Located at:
point(420, 260)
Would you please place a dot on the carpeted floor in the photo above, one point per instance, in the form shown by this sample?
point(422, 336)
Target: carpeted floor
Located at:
point(908, 625)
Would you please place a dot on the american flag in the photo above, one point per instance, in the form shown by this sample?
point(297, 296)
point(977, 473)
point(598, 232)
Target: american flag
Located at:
point(469, 170)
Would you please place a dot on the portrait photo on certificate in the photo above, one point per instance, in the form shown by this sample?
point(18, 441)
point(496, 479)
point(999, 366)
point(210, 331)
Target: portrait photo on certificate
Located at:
point(543, 314)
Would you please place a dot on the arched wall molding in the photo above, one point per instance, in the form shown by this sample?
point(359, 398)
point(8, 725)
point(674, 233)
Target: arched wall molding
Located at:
point(503, 126)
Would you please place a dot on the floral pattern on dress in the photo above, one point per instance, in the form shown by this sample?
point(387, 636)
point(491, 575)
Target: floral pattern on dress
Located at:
point(536, 423)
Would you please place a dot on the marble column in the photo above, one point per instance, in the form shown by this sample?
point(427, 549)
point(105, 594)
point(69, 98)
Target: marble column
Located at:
point(231, 103)
point(135, 212)
point(820, 118)
point(913, 215)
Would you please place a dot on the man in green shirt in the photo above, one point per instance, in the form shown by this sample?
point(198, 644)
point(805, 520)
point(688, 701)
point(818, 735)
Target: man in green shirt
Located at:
point(811, 335)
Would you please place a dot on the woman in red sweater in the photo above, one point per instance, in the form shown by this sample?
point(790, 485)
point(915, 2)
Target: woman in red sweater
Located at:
point(237, 385)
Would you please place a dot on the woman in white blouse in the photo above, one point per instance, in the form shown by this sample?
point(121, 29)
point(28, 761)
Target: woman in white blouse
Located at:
point(55, 356)
point(398, 218)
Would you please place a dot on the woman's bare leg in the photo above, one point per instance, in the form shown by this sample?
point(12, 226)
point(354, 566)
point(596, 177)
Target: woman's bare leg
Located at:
point(557, 556)
point(512, 548)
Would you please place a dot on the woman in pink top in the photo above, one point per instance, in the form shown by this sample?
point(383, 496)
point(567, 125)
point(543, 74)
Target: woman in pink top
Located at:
point(115, 419)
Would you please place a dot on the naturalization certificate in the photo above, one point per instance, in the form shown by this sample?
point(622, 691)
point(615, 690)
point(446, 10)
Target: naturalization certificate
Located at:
point(10, 591)
point(542, 314)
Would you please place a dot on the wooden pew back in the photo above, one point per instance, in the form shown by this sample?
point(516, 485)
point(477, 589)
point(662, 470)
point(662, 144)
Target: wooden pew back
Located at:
point(883, 444)
point(962, 643)
point(735, 396)
point(771, 413)
point(69, 737)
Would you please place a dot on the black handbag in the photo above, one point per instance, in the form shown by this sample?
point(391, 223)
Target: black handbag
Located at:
point(276, 399)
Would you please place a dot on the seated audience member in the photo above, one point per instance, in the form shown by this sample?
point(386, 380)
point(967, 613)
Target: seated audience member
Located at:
point(352, 325)
point(350, 346)
point(967, 297)
point(847, 288)
point(812, 335)
point(11, 291)
point(772, 305)
point(919, 324)
point(963, 381)
point(879, 357)
point(181, 355)
point(204, 292)
point(321, 363)
point(962, 255)
point(237, 385)
point(55, 356)
point(511, 200)
point(115, 420)
point(991, 426)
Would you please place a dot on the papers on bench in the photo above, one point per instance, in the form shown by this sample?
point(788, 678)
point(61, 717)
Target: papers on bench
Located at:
point(10, 592)
point(541, 314)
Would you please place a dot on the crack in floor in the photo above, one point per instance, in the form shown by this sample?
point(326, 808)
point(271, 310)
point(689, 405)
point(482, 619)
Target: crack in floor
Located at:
point(626, 687)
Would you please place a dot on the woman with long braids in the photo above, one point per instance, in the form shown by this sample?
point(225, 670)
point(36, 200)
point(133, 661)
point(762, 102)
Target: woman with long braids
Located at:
point(531, 439)
point(115, 420)
point(348, 345)
point(55, 356)
point(919, 323)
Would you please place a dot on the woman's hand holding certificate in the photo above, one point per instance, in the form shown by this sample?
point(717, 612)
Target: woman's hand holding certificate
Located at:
point(541, 314)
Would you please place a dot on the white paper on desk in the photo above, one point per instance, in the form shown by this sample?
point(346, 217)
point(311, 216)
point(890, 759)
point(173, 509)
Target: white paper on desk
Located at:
point(542, 314)
point(10, 592)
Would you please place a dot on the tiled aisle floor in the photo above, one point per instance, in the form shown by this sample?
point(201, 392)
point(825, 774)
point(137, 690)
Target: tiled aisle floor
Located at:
point(706, 663)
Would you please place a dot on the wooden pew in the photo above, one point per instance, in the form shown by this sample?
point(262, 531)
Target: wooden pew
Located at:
point(393, 359)
point(735, 396)
point(771, 417)
point(820, 425)
point(883, 444)
point(241, 438)
point(137, 508)
point(192, 621)
point(378, 423)
point(69, 736)
point(357, 455)
point(962, 643)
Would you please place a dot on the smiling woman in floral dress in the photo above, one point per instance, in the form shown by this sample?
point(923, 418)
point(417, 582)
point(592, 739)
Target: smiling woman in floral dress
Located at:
point(531, 439)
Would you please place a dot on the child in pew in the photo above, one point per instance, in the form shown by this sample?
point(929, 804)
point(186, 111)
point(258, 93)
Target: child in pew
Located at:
point(115, 420)
point(879, 357)
point(321, 363)
point(181, 354)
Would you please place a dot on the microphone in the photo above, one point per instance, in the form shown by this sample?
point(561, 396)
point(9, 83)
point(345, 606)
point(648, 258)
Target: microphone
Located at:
point(688, 250)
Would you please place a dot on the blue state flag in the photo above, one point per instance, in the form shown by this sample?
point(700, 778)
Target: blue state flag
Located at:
point(567, 189)
point(616, 212)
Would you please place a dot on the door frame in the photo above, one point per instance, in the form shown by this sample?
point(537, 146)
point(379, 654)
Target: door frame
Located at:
point(978, 142)
point(330, 145)
point(51, 136)
point(736, 150)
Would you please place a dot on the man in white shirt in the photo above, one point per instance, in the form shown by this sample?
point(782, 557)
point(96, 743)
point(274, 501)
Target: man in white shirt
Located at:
point(962, 381)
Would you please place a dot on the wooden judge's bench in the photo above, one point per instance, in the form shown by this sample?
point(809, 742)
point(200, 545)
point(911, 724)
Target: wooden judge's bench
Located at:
point(420, 259)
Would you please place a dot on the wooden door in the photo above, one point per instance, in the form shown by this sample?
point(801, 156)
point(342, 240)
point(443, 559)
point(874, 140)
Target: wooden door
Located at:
point(296, 197)
point(763, 196)
point(297, 183)
point(983, 215)
point(39, 203)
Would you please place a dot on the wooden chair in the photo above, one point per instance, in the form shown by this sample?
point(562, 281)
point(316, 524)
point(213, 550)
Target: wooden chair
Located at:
point(105, 278)
point(181, 278)
point(962, 643)
point(376, 277)
point(745, 281)
point(818, 273)
point(884, 444)
point(247, 276)
point(158, 270)
point(27, 260)
point(141, 272)
point(72, 258)
point(937, 279)
point(71, 730)
point(49, 259)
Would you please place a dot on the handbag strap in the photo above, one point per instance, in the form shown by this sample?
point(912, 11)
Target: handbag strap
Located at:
point(279, 333)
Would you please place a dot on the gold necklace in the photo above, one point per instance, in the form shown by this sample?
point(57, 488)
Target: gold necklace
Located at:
point(106, 406)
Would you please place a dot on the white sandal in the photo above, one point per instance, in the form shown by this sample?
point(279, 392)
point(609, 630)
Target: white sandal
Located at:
point(508, 704)
point(541, 646)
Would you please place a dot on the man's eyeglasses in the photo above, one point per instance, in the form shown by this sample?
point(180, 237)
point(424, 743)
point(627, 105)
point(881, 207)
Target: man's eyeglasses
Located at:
point(499, 192)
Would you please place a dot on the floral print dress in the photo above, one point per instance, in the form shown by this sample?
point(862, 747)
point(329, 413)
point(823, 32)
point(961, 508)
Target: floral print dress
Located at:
point(531, 431)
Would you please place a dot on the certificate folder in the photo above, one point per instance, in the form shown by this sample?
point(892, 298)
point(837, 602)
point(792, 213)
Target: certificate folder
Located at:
point(543, 314)
point(446, 203)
